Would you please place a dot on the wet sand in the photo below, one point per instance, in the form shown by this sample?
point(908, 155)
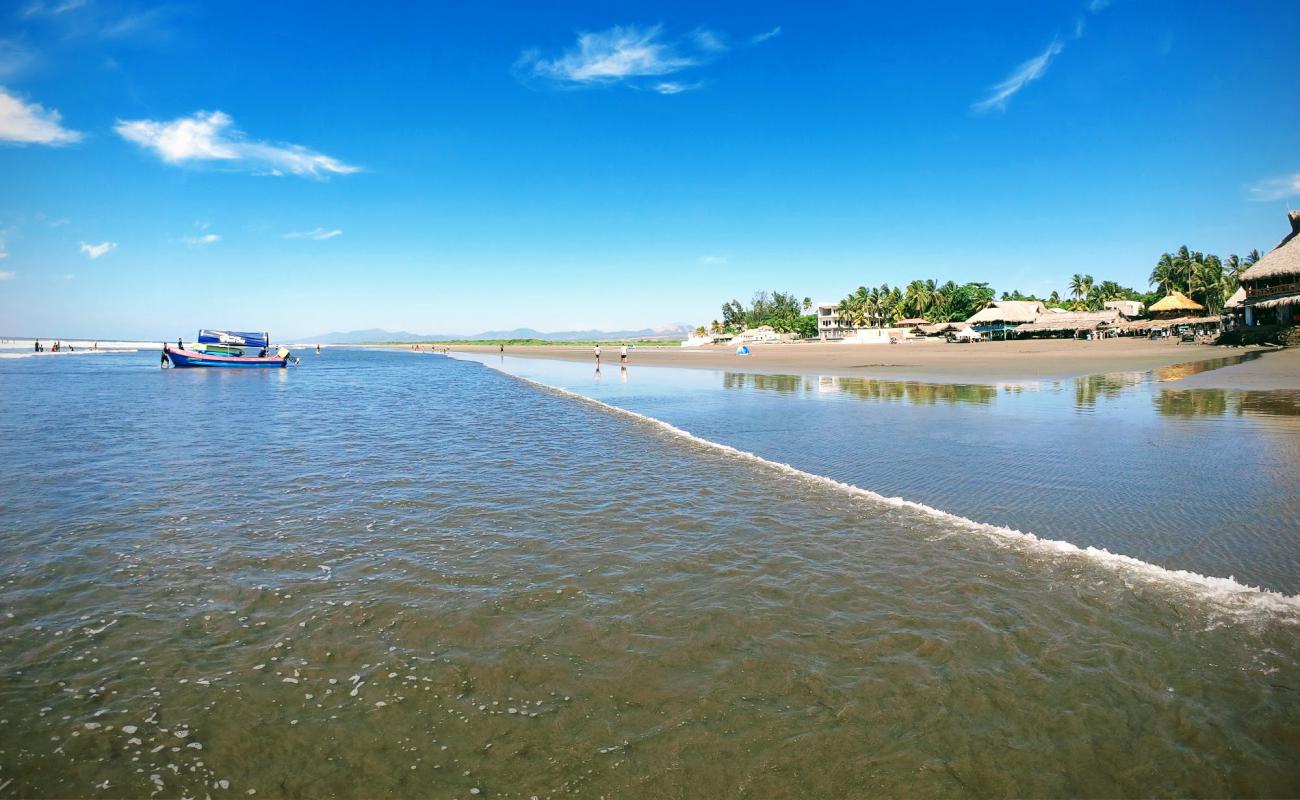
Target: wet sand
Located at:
point(941, 362)
point(1275, 371)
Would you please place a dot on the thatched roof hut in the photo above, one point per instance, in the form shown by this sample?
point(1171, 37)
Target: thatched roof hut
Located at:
point(1274, 280)
point(1237, 299)
point(1008, 312)
point(1174, 304)
point(910, 322)
point(1070, 322)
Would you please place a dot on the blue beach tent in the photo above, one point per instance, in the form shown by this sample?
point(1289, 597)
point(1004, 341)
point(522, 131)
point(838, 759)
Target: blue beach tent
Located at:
point(743, 350)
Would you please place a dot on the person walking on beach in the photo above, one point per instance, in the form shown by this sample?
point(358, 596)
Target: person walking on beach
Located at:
point(503, 349)
point(179, 344)
point(622, 355)
point(38, 345)
point(597, 357)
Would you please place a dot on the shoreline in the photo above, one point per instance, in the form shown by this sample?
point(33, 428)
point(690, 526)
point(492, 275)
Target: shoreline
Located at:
point(982, 363)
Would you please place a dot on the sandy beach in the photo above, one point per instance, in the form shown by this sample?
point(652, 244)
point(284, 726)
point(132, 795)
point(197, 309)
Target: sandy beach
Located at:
point(941, 362)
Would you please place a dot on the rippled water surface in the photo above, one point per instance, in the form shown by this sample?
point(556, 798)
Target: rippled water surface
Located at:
point(1205, 480)
point(383, 574)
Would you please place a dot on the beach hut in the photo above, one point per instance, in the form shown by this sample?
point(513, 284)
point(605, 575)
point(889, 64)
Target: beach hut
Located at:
point(1234, 310)
point(1070, 323)
point(1000, 316)
point(1174, 304)
point(1272, 284)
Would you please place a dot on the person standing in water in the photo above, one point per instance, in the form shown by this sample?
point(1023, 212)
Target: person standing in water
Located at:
point(622, 355)
point(597, 357)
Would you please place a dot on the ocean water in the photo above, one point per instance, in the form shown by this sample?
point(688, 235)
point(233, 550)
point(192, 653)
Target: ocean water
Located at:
point(390, 575)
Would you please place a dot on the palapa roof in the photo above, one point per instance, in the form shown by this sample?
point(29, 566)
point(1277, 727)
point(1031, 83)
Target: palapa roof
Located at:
point(1013, 311)
point(911, 321)
point(1071, 321)
point(1238, 297)
point(1283, 261)
point(1151, 324)
point(1175, 301)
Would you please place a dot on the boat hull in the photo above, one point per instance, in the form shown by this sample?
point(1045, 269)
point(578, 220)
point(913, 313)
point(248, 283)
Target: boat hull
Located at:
point(191, 358)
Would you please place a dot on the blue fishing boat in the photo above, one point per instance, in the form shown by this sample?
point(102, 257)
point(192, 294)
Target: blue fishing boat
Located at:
point(235, 349)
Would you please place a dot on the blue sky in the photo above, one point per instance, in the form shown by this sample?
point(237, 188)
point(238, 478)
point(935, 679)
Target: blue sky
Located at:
point(314, 167)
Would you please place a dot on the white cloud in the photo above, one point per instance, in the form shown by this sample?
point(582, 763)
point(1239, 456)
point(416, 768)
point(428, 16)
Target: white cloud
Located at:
point(7, 276)
point(67, 276)
point(317, 234)
point(713, 261)
point(1276, 188)
point(1026, 73)
point(210, 136)
point(763, 37)
point(613, 55)
point(31, 123)
point(207, 238)
point(708, 40)
point(97, 250)
point(672, 87)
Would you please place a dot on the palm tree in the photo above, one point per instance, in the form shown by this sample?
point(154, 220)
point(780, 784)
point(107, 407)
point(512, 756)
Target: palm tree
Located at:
point(1080, 285)
point(1165, 274)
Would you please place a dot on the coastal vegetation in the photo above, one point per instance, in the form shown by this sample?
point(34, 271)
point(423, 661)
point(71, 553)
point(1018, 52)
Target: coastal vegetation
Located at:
point(1205, 278)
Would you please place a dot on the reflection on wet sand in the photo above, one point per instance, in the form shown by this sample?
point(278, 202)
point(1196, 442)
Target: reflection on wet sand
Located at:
point(1221, 402)
point(913, 392)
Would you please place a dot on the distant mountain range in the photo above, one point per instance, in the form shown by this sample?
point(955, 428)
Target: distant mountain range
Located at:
point(381, 335)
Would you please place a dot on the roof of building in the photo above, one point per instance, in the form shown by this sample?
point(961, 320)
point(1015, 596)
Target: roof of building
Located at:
point(1016, 311)
point(1175, 301)
point(1238, 297)
point(911, 321)
point(1283, 260)
point(1071, 321)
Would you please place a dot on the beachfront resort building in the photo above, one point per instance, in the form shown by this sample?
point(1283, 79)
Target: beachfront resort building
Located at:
point(1001, 316)
point(1272, 284)
point(1131, 309)
point(829, 326)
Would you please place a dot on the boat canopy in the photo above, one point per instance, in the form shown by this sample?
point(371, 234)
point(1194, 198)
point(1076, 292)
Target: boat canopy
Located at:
point(235, 338)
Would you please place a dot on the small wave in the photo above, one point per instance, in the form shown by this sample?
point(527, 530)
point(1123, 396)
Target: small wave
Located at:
point(1227, 594)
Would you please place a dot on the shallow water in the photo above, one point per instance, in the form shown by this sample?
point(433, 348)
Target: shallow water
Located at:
point(1204, 480)
point(324, 577)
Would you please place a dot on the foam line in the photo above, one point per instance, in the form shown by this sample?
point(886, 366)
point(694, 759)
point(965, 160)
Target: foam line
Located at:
point(1226, 593)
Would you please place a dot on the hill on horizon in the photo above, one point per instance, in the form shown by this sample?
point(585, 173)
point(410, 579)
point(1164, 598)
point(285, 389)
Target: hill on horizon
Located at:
point(380, 335)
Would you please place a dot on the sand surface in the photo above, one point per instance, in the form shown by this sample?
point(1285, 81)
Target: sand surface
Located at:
point(1273, 371)
point(941, 362)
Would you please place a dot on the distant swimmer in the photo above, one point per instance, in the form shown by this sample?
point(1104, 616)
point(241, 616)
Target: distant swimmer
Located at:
point(622, 355)
point(317, 349)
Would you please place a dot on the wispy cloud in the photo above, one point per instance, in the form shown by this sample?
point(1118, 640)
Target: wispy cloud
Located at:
point(3, 253)
point(41, 9)
point(15, 57)
point(763, 37)
point(1036, 67)
point(673, 87)
point(31, 123)
point(210, 136)
point(7, 276)
point(629, 54)
point(1025, 74)
point(316, 234)
point(97, 250)
point(611, 56)
point(199, 241)
point(714, 261)
point(1276, 188)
